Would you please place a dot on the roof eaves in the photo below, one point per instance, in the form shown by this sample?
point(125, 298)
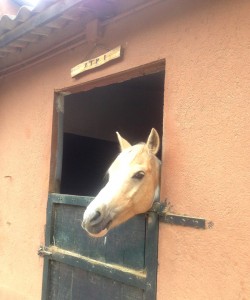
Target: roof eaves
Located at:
point(28, 19)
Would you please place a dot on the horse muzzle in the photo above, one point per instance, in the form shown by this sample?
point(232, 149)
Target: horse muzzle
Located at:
point(96, 223)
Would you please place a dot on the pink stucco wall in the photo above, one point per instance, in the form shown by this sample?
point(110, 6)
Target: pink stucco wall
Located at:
point(205, 154)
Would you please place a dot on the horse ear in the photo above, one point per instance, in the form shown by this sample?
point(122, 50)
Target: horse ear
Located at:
point(124, 144)
point(153, 141)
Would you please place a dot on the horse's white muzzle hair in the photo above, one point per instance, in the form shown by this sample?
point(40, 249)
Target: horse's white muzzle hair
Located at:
point(97, 217)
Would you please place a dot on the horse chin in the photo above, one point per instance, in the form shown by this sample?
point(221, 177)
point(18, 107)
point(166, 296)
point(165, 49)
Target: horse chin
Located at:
point(103, 230)
point(99, 234)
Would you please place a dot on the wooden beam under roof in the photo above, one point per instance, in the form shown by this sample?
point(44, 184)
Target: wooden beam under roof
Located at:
point(51, 13)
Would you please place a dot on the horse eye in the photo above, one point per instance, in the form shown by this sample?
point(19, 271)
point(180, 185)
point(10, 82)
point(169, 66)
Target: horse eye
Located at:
point(138, 175)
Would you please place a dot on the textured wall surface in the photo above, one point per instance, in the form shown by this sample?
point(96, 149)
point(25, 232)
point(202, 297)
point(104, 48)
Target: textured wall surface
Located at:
point(205, 154)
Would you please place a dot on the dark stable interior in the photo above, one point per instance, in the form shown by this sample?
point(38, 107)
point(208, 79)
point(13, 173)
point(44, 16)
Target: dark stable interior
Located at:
point(91, 119)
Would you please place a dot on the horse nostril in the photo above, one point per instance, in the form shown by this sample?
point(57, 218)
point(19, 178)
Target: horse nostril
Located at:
point(95, 217)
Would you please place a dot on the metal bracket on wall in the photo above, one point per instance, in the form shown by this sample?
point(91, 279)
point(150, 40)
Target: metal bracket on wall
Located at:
point(162, 209)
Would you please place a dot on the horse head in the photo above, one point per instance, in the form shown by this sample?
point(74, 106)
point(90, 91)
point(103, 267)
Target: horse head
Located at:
point(131, 189)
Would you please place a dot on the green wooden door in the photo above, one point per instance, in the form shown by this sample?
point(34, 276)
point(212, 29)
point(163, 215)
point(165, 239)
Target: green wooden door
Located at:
point(122, 265)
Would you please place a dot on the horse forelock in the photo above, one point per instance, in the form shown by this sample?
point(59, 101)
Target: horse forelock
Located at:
point(126, 157)
point(137, 155)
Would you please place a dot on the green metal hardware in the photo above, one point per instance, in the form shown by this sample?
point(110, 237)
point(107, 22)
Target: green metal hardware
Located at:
point(165, 216)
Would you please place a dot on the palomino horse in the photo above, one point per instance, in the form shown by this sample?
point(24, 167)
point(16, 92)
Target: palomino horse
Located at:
point(132, 187)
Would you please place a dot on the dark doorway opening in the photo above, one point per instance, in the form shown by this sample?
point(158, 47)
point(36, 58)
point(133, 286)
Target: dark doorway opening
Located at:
point(91, 119)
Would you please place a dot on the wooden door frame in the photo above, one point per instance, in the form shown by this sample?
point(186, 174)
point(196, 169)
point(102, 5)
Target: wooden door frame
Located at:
point(58, 110)
point(151, 239)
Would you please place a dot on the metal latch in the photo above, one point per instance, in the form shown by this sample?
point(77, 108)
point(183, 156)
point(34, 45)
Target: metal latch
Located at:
point(44, 251)
point(166, 216)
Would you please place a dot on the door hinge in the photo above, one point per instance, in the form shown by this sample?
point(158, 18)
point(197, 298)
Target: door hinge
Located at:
point(44, 251)
point(163, 210)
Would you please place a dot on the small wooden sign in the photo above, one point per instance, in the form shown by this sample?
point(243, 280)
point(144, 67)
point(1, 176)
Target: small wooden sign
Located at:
point(96, 62)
